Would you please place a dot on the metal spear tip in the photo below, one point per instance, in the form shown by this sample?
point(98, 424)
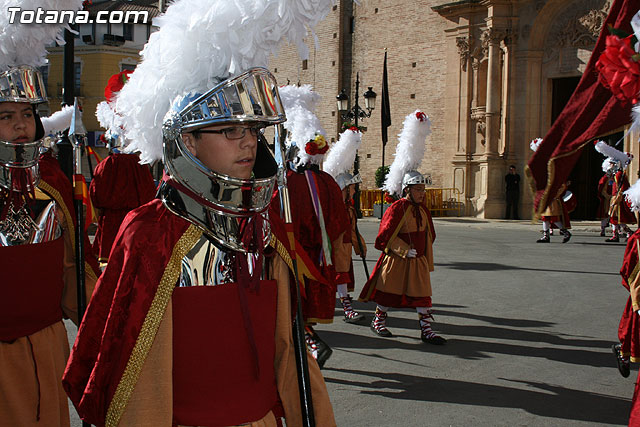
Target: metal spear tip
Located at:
point(77, 128)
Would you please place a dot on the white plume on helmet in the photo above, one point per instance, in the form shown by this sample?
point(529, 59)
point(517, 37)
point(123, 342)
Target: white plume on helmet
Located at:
point(535, 143)
point(302, 124)
point(608, 165)
point(58, 121)
point(199, 44)
point(25, 44)
point(615, 156)
point(107, 117)
point(343, 153)
point(409, 151)
point(632, 195)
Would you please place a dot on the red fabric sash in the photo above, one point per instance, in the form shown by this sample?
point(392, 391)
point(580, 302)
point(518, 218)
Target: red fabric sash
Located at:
point(30, 297)
point(214, 380)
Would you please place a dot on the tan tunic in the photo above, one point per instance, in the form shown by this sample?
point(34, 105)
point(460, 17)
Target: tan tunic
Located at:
point(151, 402)
point(49, 347)
point(400, 275)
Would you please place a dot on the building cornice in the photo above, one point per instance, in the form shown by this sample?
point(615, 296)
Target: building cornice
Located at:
point(456, 8)
point(92, 49)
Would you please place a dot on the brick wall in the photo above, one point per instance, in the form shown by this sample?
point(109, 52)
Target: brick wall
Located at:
point(414, 38)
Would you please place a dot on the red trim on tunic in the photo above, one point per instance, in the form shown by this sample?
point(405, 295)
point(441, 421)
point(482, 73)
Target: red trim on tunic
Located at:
point(30, 298)
point(399, 301)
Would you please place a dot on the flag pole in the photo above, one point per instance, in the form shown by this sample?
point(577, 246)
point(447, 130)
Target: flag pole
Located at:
point(385, 119)
point(299, 343)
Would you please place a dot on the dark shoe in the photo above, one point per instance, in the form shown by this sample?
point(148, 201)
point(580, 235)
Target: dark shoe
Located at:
point(319, 349)
point(544, 239)
point(567, 236)
point(623, 364)
point(433, 339)
point(612, 239)
point(324, 351)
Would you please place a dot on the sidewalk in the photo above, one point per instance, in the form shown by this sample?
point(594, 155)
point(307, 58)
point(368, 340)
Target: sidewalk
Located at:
point(586, 226)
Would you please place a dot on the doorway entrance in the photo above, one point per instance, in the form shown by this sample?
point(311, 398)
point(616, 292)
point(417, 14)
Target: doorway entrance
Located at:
point(588, 170)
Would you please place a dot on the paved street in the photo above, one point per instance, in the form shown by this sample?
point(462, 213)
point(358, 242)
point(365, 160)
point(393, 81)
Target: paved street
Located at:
point(530, 328)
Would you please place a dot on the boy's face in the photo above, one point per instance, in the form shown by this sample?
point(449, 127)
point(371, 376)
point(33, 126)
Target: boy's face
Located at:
point(416, 193)
point(17, 122)
point(231, 157)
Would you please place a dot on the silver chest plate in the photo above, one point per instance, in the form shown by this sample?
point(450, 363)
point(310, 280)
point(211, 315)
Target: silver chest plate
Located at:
point(18, 228)
point(208, 265)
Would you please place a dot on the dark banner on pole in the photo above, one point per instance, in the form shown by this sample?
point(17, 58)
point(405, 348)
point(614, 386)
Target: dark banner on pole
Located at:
point(385, 108)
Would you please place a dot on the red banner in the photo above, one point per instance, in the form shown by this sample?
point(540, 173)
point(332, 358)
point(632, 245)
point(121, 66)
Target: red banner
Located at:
point(592, 111)
point(81, 192)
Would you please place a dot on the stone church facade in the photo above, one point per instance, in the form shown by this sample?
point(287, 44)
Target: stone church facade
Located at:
point(491, 75)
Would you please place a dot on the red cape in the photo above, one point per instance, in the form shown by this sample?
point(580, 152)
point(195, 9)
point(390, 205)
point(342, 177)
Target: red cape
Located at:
point(621, 183)
point(388, 227)
point(630, 260)
point(319, 301)
point(603, 206)
point(120, 183)
point(121, 303)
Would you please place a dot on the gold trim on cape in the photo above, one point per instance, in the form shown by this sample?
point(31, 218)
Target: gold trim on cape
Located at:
point(551, 174)
point(150, 326)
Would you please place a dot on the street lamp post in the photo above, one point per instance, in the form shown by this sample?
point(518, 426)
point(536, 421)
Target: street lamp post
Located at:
point(356, 113)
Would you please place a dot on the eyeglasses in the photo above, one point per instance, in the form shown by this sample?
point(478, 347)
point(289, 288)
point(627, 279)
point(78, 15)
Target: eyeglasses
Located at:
point(235, 132)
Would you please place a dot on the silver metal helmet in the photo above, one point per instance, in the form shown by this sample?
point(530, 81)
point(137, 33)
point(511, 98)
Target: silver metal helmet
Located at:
point(209, 198)
point(345, 179)
point(413, 177)
point(22, 84)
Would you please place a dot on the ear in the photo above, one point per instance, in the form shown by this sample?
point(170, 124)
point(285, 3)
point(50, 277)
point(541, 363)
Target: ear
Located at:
point(190, 142)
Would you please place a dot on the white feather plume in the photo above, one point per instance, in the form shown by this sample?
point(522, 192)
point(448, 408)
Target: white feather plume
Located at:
point(107, 117)
point(302, 124)
point(633, 196)
point(200, 43)
point(409, 151)
point(341, 156)
point(58, 121)
point(534, 144)
point(25, 44)
point(618, 156)
point(607, 164)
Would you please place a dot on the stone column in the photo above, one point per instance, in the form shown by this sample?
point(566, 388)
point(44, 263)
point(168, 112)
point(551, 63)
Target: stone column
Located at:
point(492, 39)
